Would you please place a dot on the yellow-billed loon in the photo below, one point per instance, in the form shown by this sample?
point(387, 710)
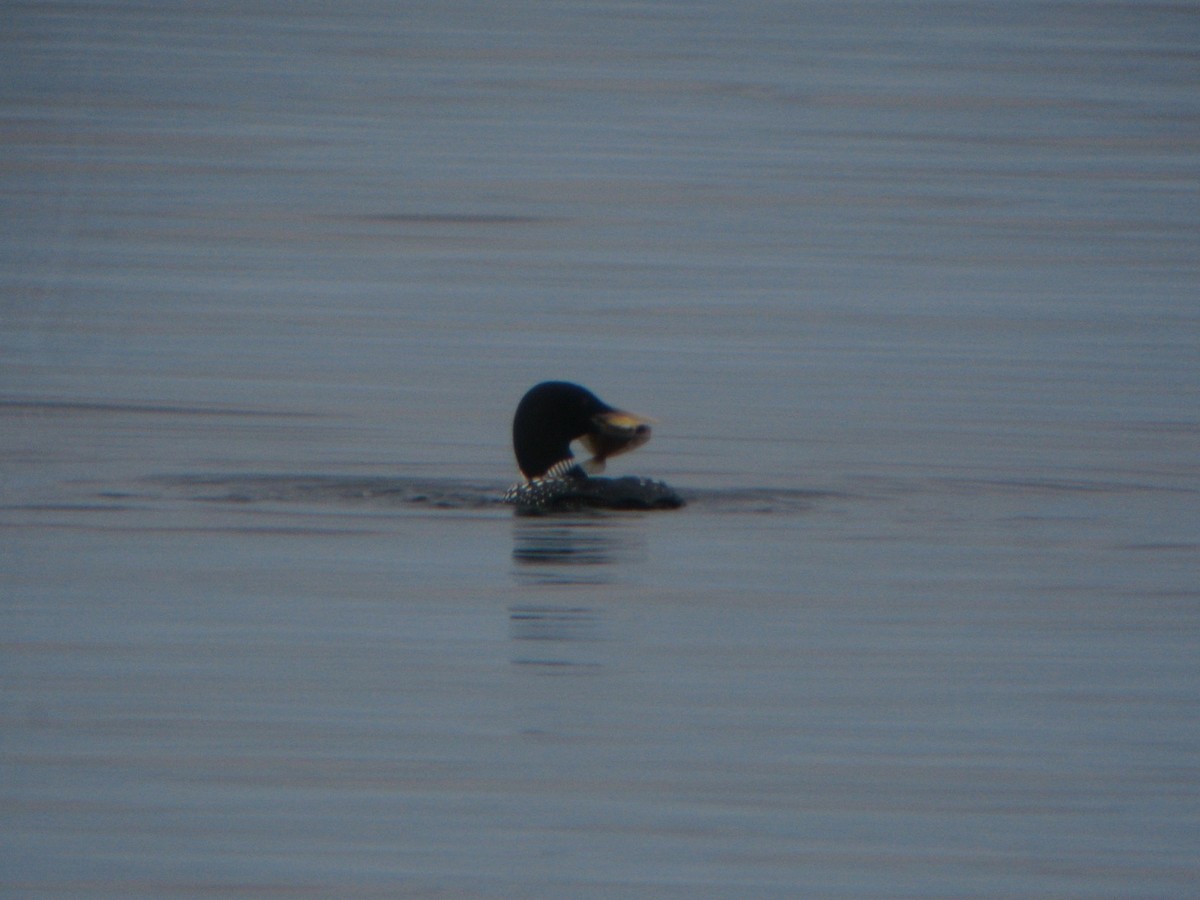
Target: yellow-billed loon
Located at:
point(549, 417)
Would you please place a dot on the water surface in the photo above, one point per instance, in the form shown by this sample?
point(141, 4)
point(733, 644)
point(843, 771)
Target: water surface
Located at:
point(911, 289)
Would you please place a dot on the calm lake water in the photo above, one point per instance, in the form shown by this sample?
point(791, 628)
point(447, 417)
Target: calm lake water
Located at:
point(912, 290)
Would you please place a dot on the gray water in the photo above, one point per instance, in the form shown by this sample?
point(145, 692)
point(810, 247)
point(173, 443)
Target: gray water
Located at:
point(911, 289)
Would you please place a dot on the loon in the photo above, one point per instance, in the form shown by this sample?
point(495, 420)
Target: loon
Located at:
point(549, 417)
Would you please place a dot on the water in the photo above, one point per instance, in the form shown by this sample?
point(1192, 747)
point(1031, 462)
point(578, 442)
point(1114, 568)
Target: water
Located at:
point(912, 291)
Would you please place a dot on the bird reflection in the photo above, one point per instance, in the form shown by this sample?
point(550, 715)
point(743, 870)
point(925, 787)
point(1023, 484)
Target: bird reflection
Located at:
point(552, 623)
point(580, 551)
point(548, 639)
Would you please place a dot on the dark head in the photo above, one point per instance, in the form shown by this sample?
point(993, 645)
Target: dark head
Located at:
point(555, 413)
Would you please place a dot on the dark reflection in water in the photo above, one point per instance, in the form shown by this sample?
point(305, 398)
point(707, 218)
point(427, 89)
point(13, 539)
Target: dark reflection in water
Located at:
point(574, 551)
point(551, 623)
point(544, 637)
point(551, 638)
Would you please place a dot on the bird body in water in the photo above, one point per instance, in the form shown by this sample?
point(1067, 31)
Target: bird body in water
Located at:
point(549, 418)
